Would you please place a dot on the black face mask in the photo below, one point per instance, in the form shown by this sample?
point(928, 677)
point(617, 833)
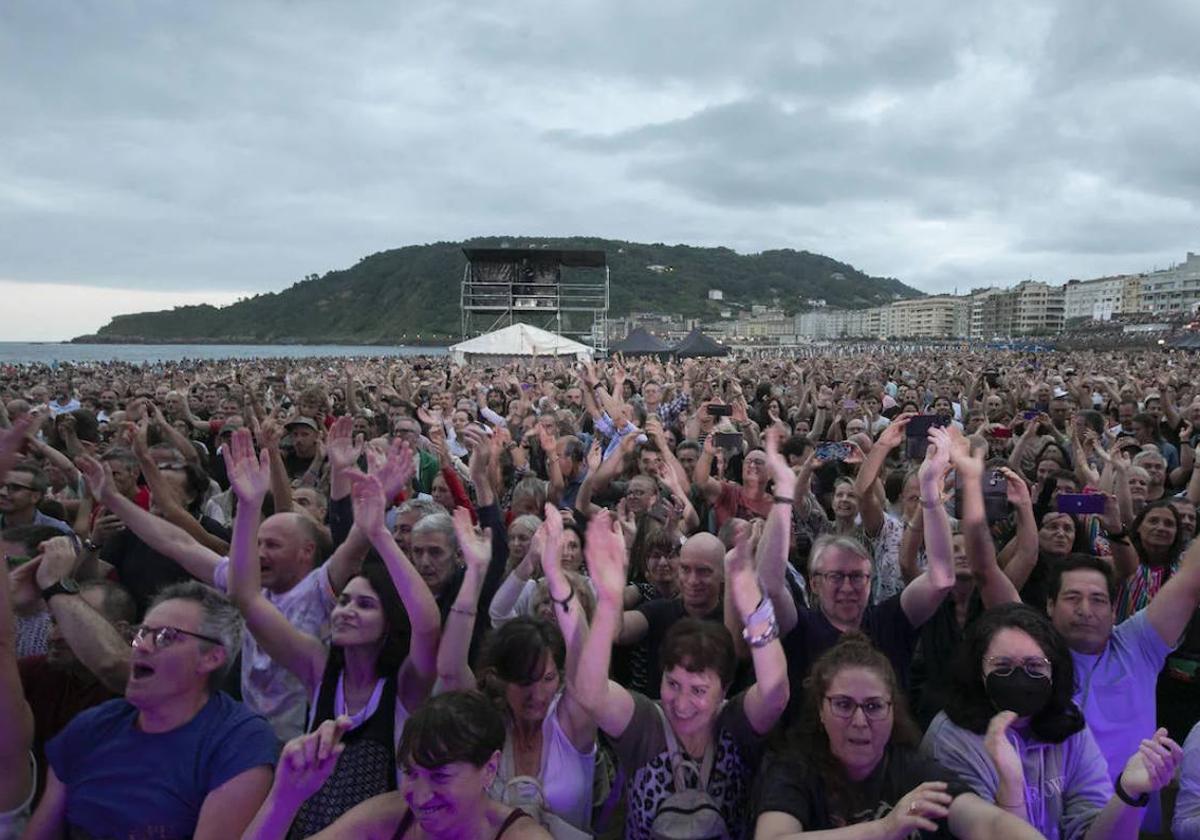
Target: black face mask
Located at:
point(1018, 692)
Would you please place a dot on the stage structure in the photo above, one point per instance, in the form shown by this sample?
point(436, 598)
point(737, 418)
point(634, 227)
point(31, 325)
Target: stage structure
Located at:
point(565, 292)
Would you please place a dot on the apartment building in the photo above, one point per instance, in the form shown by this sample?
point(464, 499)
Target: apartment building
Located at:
point(1174, 290)
point(1102, 298)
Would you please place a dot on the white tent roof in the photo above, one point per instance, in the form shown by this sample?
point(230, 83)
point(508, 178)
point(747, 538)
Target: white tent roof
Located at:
point(519, 340)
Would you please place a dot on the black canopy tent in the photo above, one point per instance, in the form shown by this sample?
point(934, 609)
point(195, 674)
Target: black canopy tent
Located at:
point(640, 343)
point(697, 343)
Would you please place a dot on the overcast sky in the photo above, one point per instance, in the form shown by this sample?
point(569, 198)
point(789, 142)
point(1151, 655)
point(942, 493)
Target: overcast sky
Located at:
point(158, 153)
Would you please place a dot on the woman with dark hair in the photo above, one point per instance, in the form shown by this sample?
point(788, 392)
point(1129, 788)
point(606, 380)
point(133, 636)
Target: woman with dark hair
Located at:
point(380, 662)
point(449, 756)
point(1011, 731)
point(548, 759)
point(853, 761)
point(693, 743)
point(1159, 541)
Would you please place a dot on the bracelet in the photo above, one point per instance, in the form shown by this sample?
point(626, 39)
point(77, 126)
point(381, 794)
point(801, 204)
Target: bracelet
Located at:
point(765, 637)
point(1140, 802)
point(565, 603)
point(764, 612)
point(782, 500)
point(462, 611)
point(1118, 536)
point(931, 505)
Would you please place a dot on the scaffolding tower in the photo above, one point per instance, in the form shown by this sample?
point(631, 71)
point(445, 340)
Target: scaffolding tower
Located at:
point(564, 291)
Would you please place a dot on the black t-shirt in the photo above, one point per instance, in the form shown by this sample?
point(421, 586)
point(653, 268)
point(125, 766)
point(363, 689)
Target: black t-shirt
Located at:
point(661, 614)
point(142, 570)
point(794, 786)
point(885, 624)
point(934, 660)
point(295, 465)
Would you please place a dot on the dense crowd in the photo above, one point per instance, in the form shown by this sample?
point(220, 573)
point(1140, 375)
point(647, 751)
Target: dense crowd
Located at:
point(874, 596)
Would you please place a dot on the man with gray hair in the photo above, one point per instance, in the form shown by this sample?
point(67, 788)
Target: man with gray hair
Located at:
point(175, 757)
point(840, 573)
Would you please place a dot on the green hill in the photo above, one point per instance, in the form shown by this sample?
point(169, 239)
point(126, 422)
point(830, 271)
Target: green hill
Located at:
point(393, 296)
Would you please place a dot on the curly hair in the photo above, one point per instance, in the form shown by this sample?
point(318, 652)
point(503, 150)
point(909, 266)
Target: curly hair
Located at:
point(969, 705)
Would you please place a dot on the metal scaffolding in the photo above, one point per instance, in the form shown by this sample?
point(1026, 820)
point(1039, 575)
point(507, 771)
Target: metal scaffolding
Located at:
point(558, 290)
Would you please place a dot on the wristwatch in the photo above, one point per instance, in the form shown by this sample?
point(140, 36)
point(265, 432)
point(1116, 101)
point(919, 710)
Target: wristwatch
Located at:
point(66, 586)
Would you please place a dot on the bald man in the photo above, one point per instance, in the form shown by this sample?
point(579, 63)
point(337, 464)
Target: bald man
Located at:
point(700, 584)
point(296, 578)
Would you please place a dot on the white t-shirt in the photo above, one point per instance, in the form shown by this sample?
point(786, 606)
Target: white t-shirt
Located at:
point(268, 688)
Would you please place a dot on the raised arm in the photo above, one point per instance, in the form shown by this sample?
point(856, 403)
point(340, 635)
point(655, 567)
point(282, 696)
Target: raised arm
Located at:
point(1173, 607)
point(96, 643)
point(768, 697)
point(419, 670)
point(164, 537)
point(868, 473)
point(16, 735)
point(165, 498)
point(609, 703)
point(772, 552)
point(453, 669)
point(922, 597)
point(300, 653)
point(994, 585)
point(702, 477)
point(577, 722)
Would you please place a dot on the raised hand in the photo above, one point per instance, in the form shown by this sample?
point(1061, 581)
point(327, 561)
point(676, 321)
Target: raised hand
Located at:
point(894, 434)
point(1153, 766)
point(308, 760)
point(249, 476)
point(937, 458)
point(396, 471)
point(605, 553)
point(475, 545)
point(1018, 490)
point(551, 531)
point(97, 476)
point(1003, 754)
point(343, 448)
point(56, 560)
point(781, 473)
point(740, 575)
point(368, 502)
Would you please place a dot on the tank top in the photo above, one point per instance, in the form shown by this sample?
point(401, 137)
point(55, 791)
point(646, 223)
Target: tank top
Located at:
point(367, 766)
point(407, 821)
point(565, 775)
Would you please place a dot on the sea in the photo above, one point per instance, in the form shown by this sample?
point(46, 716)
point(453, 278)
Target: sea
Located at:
point(49, 353)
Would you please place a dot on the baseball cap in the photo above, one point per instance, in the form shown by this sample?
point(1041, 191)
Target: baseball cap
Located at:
point(302, 421)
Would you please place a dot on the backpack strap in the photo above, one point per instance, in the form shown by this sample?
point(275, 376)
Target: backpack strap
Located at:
point(680, 760)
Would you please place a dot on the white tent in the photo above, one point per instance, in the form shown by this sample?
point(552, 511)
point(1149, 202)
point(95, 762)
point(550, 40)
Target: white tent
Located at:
point(516, 341)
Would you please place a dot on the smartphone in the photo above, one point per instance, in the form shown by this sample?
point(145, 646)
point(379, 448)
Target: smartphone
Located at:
point(916, 440)
point(849, 405)
point(1029, 415)
point(1000, 432)
point(831, 451)
point(995, 496)
point(1080, 503)
point(720, 410)
point(728, 440)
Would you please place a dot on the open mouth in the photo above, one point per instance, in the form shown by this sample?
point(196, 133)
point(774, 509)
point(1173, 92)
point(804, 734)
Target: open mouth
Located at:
point(141, 671)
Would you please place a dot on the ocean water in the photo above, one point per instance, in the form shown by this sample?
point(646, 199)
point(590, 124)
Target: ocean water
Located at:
point(16, 352)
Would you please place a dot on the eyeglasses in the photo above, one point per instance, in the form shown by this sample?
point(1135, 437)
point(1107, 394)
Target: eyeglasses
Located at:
point(13, 487)
point(1037, 667)
point(873, 708)
point(836, 579)
point(164, 637)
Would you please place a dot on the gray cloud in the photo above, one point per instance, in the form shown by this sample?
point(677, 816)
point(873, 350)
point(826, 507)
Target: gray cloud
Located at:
point(240, 146)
